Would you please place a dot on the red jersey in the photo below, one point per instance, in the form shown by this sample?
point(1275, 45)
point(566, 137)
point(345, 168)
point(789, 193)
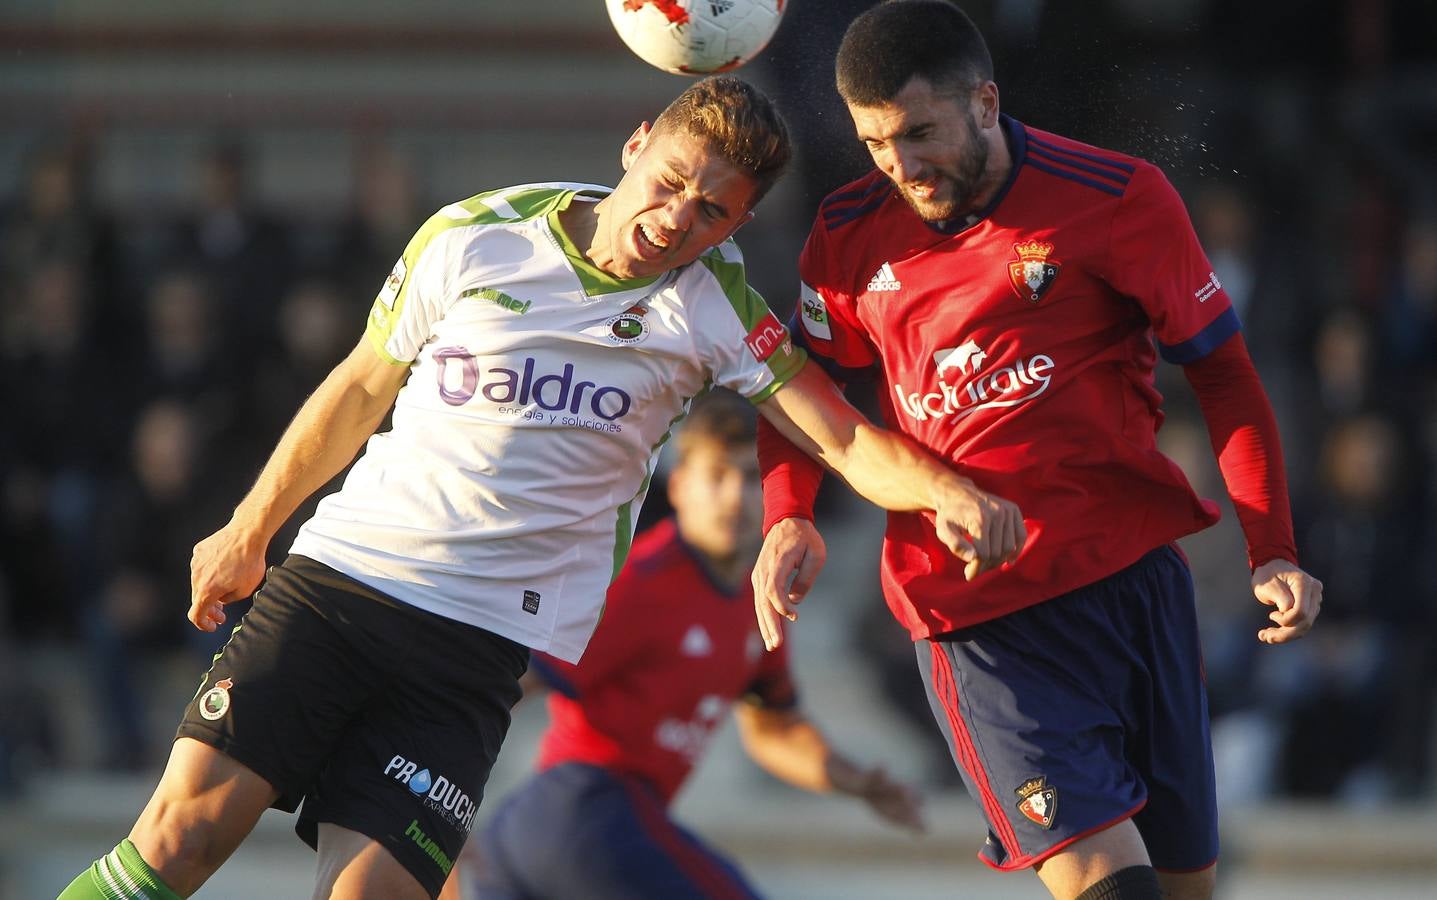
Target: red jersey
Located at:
point(1021, 348)
point(672, 653)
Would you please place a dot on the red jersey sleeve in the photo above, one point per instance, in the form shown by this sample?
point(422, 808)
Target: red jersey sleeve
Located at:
point(1244, 436)
point(825, 321)
point(790, 477)
point(823, 324)
point(1155, 259)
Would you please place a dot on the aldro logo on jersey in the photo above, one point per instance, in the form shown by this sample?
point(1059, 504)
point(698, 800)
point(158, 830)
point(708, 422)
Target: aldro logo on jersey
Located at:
point(965, 386)
point(461, 380)
point(1034, 272)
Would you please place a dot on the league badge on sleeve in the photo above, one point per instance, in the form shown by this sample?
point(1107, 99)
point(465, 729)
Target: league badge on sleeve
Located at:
point(1038, 801)
point(814, 313)
point(1034, 271)
point(390, 292)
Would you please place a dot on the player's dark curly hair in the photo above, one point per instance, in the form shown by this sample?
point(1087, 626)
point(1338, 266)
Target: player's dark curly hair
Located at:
point(737, 121)
point(891, 43)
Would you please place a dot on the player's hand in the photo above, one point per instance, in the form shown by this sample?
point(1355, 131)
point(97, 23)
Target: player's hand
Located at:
point(792, 556)
point(982, 529)
point(1296, 598)
point(225, 567)
point(895, 801)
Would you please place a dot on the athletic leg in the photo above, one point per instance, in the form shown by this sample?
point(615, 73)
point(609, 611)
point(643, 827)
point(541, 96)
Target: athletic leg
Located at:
point(1069, 872)
point(355, 867)
point(1198, 885)
point(203, 807)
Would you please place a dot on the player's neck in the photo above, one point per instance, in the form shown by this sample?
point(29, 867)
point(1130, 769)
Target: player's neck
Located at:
point(580, 222)
point(728, 566)
point(995, 174)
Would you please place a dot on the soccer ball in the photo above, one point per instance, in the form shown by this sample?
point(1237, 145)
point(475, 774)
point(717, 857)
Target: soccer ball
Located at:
point(695, 37)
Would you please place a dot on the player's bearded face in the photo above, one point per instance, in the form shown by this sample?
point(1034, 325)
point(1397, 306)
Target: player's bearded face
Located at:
point(948, 190)
point(930, 146)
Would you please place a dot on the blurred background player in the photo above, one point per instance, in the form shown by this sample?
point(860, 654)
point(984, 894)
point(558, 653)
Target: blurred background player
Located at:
point(1004, 287)
point(676, 650)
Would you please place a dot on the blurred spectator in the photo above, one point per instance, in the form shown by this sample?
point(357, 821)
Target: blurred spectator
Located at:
point(190, 356)
point(386, 213)
point(54, 457)
point(153, 515)
point(1409, 312)
point(242, 251)
point(1358, 695)
point(317, 327)
point(27, 732)
point(55, 221)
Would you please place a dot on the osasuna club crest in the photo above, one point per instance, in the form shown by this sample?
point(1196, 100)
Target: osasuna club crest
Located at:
point(629, 326)
point(1038, 801)
point(1034, 271)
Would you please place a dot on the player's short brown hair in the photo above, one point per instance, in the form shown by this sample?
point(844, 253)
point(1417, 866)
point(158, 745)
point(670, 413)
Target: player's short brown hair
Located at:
point(890, 44)
point(719, 417)
point(737, 121)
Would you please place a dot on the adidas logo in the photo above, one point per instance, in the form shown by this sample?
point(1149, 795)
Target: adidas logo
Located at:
point(884, 280)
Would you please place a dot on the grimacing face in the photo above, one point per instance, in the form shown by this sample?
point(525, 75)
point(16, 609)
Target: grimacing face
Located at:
point(930, 143)
point(676, 200)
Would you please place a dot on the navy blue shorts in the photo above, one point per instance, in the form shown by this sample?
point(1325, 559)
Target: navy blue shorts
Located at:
point(1074, 714)
point(583, 831)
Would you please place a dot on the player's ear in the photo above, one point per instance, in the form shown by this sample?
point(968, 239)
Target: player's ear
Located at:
point(987, 97)
point(634, 145)
point(742, 221)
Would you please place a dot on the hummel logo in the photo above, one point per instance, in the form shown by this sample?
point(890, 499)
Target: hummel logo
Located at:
point(884, 279)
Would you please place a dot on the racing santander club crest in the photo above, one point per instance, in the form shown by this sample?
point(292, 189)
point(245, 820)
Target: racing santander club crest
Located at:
point(1034, 271)
point(216, 701)
point(1038, 801)
point(629, 326)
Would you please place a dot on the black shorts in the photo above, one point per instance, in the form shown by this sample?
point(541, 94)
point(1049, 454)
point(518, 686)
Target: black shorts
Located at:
point(382, 718)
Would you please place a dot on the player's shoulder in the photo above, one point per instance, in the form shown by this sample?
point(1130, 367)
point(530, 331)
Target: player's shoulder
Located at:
point(656, 550)
point(853, 203)
point(721, 265)
point(1100, 170)
point(518, 203)
point(465, 222)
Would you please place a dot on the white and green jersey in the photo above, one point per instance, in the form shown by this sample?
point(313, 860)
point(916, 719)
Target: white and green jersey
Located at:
point(540, 392)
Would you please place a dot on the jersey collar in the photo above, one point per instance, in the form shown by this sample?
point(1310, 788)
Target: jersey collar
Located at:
point(1017, 144)
point(592, 279)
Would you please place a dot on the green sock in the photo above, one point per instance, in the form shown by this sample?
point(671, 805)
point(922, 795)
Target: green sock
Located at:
point(120, 874)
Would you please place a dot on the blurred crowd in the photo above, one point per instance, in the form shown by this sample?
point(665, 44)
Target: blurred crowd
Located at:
point(152, 357)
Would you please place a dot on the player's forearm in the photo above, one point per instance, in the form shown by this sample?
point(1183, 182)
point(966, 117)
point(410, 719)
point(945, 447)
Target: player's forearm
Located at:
point(323, 438)
point(884, 467)
point(1245, 438)
point(787, 746)
point(893, 471)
